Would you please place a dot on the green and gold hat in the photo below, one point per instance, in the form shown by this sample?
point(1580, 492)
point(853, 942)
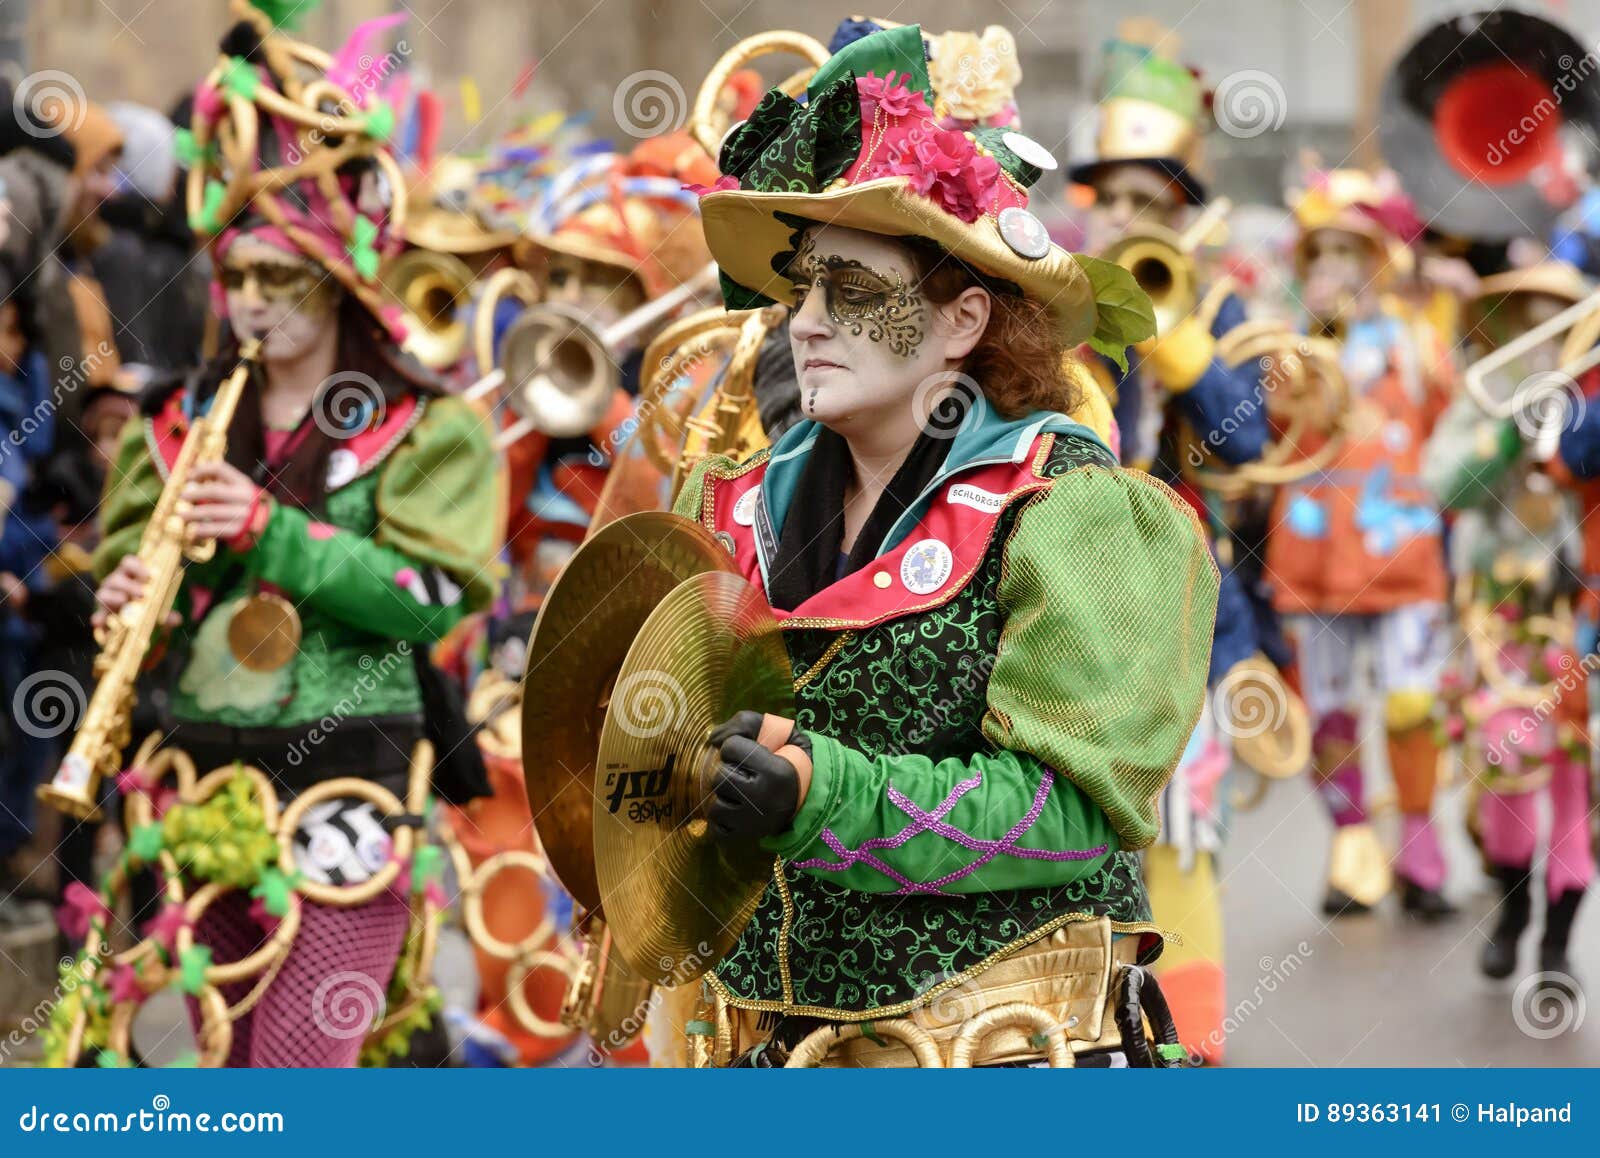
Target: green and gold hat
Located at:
point(865, 150)
point(1151, 111)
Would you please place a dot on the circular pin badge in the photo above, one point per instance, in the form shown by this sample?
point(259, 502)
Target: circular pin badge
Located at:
point(1029, 150)
point(925, 566)
point(744, 511)
point(342, 467)
point(1024, 233)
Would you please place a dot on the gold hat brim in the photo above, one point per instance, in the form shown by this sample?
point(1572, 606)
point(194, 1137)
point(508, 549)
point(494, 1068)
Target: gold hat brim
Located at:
point(447, 231)
point(1555, 279)
point(745, 235)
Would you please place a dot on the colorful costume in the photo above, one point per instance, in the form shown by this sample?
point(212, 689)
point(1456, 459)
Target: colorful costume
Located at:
point(1178, 403)
point(1516, 548)
point(989, 733)
point(380, 559)
point(1355, 557)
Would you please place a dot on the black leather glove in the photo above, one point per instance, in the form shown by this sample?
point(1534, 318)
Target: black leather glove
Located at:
point(755, 792)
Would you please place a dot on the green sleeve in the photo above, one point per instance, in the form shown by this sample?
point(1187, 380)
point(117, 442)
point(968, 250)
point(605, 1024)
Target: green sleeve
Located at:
point(132, 489)
point(1109, 596)
point(429, 561)
point(1468, 454)
point(862, 804)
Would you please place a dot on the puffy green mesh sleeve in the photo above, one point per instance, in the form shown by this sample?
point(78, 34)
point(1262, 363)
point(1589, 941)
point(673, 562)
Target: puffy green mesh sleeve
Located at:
point(133, 487)
point(1110, 597)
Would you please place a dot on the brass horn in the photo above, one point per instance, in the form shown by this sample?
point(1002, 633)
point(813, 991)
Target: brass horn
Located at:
point(1161, 260)
point(705, 120)
point(432, 289)
point(1579, 328)
point(559, 370)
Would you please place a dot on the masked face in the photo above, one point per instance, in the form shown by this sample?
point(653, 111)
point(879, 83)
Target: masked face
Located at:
point(290, 303)
point(1340, 270)
point(602, 291)
point(867, 342)
point(1132, 196)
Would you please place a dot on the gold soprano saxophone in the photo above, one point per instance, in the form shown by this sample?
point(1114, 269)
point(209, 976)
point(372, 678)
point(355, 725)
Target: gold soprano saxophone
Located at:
point(125, 639)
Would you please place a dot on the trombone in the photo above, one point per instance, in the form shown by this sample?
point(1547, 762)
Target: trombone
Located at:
point(431, 288)
point(1580, 322)
point(559, 371)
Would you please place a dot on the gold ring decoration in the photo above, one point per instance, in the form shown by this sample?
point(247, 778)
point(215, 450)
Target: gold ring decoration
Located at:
point(472, 891)
point(518, 975)
point(704, 118)
point(503, 283)
point(157, 764)
point(1046, 1032)
point(274, 948)
point(815, 1047)
point(1308, 401)
point(344, 788)
point(214, 1039)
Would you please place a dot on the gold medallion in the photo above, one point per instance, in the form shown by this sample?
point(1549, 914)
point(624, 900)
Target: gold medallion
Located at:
point(264, 633)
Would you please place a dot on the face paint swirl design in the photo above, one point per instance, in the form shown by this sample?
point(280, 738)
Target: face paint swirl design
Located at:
point(861, 299)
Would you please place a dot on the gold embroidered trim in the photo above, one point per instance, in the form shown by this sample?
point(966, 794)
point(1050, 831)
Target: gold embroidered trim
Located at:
point(785, 978)
point(824, 659)
point(788, 1008)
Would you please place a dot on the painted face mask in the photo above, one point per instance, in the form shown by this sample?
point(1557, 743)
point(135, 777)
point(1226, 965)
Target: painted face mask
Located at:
point(865, 302)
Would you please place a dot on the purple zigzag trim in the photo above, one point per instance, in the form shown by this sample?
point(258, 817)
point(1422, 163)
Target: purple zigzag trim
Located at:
point(934, 822)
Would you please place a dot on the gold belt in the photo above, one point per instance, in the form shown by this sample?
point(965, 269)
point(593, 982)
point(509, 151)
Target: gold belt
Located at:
point(1048, 1001)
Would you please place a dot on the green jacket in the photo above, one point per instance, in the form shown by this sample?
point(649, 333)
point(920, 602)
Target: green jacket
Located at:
point(994, 704)
point(400, 553)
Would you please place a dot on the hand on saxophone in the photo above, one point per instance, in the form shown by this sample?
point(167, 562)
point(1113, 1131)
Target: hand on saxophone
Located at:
point(220, 502)
point(121, 587)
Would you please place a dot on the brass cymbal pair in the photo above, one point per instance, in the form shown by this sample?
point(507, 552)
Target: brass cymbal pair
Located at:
point(648, 640)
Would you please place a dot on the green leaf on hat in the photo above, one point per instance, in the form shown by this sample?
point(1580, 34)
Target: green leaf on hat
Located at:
point(896, 50)
point(363, 254)
point(240, 78)
point(1123, 313)
point(145, 842)
point(209, 219)
point(193, 963)
point(380, 121)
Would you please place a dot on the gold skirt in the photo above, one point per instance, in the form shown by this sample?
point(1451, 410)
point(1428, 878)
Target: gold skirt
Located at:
point(1047, 1002)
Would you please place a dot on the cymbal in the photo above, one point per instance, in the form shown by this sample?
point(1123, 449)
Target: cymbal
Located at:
point(675, 898)
point(585, 627)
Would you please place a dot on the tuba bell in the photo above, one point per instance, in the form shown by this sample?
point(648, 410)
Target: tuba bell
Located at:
point(1161, 260)
point(432, 289)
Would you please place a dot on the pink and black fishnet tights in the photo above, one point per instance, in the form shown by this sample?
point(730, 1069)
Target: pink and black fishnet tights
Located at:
point(317, 1010)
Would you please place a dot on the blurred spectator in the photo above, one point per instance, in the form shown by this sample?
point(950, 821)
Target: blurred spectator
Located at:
point(155, 284)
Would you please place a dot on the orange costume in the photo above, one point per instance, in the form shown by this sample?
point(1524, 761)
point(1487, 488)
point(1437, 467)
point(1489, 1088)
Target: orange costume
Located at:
point(1356, 555)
